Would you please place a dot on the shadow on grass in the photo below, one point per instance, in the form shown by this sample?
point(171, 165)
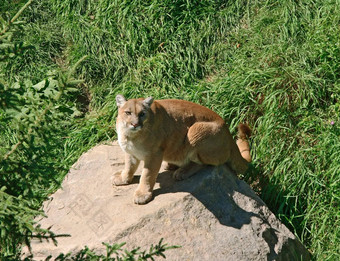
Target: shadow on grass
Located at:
point(277, 199)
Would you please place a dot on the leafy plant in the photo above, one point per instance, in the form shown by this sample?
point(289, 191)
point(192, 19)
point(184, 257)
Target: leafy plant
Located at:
point(31, 115)
point(114, 252)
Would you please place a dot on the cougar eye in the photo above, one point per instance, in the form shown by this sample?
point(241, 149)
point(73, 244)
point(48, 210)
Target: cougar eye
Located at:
point(141, 114)
point(128, 112)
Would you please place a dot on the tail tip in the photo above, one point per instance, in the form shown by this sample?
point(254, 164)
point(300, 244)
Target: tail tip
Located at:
point(244, 131)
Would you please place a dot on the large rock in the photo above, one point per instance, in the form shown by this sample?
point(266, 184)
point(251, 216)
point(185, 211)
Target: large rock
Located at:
point(213, 215)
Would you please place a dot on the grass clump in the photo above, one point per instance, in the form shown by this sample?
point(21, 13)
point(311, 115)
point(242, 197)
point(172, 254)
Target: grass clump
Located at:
point(277, 80)
point(272, 64)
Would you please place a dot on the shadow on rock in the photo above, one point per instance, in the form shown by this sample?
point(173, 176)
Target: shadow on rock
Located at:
point(219, 190)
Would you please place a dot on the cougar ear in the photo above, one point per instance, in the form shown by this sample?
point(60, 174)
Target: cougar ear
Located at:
point(120, 100)
point(147, 102)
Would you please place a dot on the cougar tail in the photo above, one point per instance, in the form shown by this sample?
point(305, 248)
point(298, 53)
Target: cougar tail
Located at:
point(243, 134)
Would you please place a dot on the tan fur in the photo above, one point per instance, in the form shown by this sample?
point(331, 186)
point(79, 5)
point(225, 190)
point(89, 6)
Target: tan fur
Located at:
point(244, 133)
point(182, 133)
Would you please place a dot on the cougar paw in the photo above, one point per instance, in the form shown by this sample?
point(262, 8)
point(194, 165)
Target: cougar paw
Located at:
point(117, 180)
point(141, 198)
point(179, 174)
point(171, 167)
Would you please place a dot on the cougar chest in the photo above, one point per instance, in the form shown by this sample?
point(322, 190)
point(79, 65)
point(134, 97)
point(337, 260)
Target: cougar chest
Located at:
point(133, 147)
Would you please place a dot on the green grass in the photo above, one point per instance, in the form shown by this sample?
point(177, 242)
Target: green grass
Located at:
point(272, 64)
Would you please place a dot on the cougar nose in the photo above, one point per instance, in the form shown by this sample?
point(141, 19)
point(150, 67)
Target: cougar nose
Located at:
point(135, 125)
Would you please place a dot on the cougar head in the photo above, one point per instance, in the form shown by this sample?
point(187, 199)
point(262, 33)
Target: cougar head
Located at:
point(132, 114)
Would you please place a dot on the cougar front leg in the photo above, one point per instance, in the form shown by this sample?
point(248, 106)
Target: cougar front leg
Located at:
point(143, 194)
point(125, 177)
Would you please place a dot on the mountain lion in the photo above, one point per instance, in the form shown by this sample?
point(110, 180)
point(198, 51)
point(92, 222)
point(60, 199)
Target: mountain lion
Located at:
point(186, 135)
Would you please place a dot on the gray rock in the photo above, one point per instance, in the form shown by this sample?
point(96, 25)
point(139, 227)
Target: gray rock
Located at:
point(212, 216)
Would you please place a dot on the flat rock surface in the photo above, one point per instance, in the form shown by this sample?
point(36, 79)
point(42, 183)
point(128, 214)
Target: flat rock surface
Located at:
point(212, 216)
